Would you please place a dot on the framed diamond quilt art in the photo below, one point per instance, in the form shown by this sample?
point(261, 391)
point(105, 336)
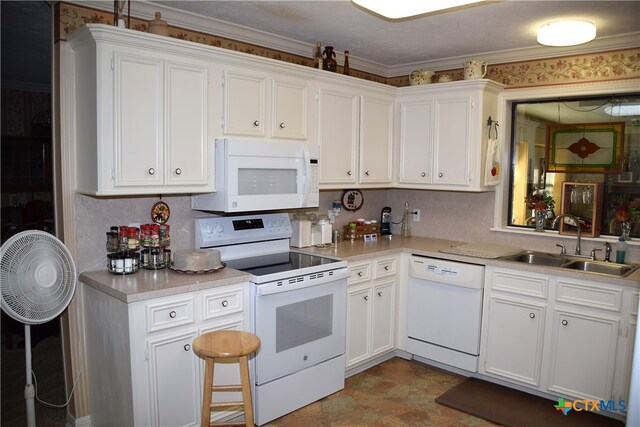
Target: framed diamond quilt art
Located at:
point(585, 147)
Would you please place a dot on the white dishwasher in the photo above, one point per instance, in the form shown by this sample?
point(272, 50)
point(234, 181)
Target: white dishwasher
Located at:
point(444, 311)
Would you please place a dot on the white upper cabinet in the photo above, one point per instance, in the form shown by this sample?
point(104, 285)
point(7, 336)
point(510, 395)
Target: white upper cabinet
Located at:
point(266, 106)
point(355, 133)
point(442, 136)
point(142, 115)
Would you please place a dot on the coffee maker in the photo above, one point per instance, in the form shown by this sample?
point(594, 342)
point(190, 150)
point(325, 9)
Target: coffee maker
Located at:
point(385, 221)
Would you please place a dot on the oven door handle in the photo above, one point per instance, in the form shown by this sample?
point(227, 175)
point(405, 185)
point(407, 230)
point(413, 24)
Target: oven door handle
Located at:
point(284, 285)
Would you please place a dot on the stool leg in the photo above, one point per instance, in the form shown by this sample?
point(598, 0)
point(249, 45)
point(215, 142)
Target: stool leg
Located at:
point(206, 392)
point(246, 390)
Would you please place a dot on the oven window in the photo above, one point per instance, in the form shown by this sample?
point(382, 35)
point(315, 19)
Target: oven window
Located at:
point(267, 181)
point(303, 322)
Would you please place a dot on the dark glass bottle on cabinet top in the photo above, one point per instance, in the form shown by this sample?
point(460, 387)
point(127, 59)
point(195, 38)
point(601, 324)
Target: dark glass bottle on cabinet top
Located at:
point(345, 68)
point(330, 63)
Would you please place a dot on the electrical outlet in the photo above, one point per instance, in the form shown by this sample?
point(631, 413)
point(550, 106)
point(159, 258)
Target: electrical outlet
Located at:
point(416, 215)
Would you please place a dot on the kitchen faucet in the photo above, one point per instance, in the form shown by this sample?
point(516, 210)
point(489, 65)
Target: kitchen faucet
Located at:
point(577, 223)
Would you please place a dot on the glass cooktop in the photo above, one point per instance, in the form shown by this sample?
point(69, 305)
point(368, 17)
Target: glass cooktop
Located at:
point(278, 263)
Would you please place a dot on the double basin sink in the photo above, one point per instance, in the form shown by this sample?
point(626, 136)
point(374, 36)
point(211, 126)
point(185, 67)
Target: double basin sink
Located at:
point(573, 263)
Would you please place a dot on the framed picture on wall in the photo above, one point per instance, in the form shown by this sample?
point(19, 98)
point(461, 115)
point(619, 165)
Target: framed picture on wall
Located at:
point(585, 147)
point(625, 177)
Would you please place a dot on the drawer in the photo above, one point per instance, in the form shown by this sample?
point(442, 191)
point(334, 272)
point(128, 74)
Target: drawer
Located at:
point(169, 314)
point(519, 284)
point(386, 267)
point(589, 295)
point(360, 273)
point(222, 302)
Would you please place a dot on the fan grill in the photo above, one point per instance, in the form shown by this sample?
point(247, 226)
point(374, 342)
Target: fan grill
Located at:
point(37, 277)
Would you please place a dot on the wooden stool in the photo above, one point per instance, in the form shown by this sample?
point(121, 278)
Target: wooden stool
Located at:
point(223, 345)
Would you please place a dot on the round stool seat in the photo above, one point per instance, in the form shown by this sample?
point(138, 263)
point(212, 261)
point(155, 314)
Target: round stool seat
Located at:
point(223, 344)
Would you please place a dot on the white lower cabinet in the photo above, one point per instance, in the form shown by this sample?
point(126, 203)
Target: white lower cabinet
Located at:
point(141, 366)
point(564, 337)
point(371, 309)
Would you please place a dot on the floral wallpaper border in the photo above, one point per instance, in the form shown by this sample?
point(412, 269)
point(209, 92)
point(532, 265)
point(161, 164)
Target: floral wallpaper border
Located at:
point(610, 65)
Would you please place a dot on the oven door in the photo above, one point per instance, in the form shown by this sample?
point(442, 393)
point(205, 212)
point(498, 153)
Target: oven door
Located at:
point(299, 328)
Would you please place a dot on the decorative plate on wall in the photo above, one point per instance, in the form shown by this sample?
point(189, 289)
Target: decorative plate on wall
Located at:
point(352, 200)
point(160, 213)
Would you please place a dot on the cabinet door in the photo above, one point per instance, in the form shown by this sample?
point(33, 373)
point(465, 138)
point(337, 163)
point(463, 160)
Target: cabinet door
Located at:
point(244, 104)
point(452, 138)
point(416, 142)
point(338, 137)
point(186, 124)
point(173, 387)
point(376, 126)
point(289, 111)
point(138, 120)
point(358, 312)
point(382, 318)
point(583, 350)
point(515, 332)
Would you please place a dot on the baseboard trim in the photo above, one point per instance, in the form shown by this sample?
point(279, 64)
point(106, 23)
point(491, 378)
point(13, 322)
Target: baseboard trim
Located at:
point(78, 422)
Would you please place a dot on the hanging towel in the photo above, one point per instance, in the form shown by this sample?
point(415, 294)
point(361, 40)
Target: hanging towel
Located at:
point(492, 165)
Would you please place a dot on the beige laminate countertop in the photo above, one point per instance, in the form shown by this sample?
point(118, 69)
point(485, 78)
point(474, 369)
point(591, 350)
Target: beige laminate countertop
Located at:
point(147, 284)
point(360, 250)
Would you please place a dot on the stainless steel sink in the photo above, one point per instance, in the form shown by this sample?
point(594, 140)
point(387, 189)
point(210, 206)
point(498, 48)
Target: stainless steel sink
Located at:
point(564, 261)
point(537, 258)
point(612, 269)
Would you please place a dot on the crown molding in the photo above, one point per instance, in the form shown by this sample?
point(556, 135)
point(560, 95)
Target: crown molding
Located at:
point(145, 9)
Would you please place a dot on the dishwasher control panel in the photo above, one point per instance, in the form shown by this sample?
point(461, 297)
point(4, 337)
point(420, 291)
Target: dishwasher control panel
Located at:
point(445, 271)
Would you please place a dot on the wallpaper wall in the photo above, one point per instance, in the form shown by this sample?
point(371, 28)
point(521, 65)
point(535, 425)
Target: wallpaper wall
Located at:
point(612, 65)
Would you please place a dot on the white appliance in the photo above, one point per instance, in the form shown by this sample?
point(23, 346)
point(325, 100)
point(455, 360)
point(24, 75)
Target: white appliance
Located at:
point(298, 310)
point(444, 311)
point(262, 175)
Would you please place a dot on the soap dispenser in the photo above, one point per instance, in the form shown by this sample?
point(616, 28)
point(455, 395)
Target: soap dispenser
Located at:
point(621, 249)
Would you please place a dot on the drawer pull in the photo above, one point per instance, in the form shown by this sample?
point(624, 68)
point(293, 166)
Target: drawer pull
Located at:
point(380, 293)
point(423, 174)
point(366, 298)
point(152, 171)
point(281, 125)
point(359, 273)
point(349, 173)
point(565, 323)
point(173, 314)
point(367, 173)
point(187, 347)
point(386, 267)
point(178, 171)
point(440, 175)
point(256, 123)
point(532, 315)
point(225, 303)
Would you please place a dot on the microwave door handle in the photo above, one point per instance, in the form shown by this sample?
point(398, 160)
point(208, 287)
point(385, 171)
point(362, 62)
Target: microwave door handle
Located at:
point(305, 177)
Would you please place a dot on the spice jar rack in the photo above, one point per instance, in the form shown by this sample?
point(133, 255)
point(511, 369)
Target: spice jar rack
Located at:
point(155, 240)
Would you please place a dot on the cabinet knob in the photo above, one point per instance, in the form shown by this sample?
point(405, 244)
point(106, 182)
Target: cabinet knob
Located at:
point(565, 323)
point(359, 273)
point(256, 123)
point(349, 173)
point(380, 293)
point(178, 171)
point(173, 314)
point(386, 267)
point(281, 125)
point(225, 303)
point(440, 175)
point(187, 347)
point(366, 298)
point(532, 315)
point(423, 174)
point(367, 173)
point(152, 171)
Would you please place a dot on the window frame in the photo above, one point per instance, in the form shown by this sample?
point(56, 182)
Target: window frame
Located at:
point(505, 113)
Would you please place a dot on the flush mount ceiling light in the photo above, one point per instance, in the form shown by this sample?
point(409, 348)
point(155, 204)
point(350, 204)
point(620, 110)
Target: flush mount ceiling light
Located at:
point(621, 110)
point(398, 9)
point(569, 32)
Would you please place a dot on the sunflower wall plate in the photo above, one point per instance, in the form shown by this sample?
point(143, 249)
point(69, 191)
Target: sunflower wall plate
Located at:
point(160, 213)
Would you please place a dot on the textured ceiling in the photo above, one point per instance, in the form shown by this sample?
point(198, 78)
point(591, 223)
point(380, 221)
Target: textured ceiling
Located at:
point(490, 27)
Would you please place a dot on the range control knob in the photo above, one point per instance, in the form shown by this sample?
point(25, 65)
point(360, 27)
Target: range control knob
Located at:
point(219, 228)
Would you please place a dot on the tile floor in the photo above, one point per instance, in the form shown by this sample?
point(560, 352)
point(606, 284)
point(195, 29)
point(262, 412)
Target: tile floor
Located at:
point(397, 392)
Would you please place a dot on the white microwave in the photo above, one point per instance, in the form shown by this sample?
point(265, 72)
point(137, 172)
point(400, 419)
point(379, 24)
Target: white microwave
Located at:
point(262, 175)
